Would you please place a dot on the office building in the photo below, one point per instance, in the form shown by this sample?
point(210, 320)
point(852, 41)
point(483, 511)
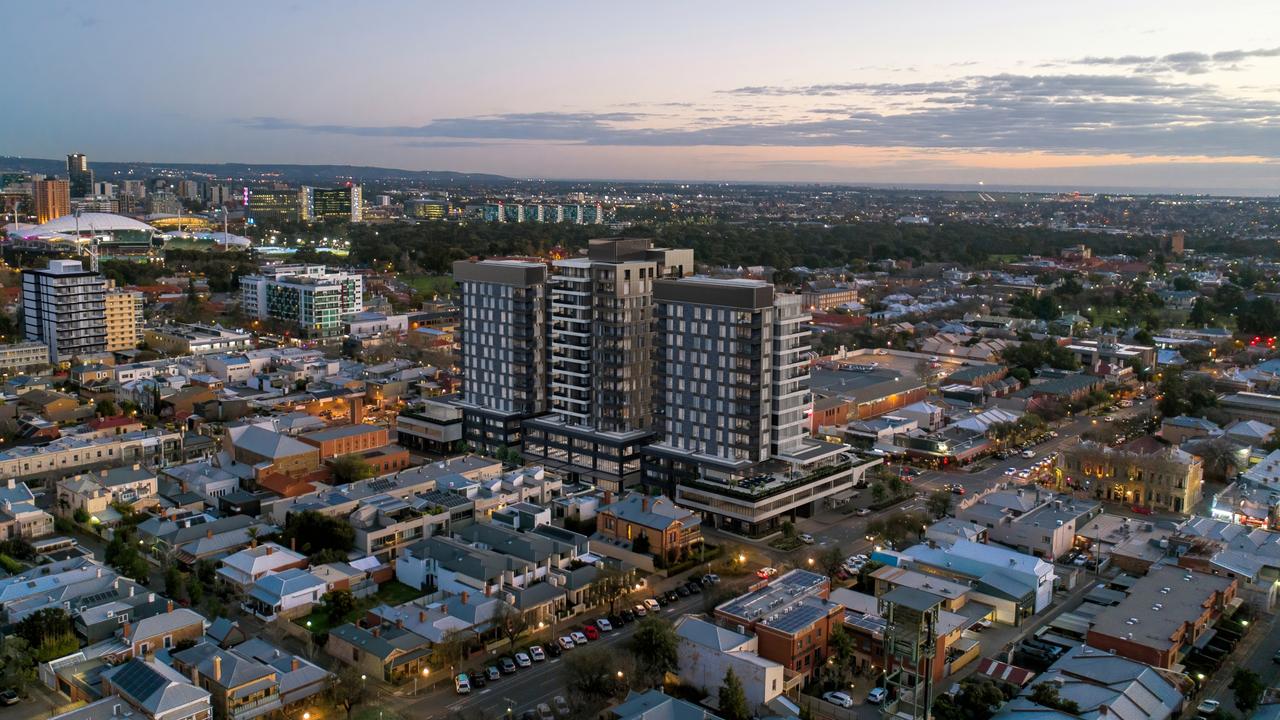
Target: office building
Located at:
point(104, 189)
point(196, 339)
point(81, 177)
point(312, 297)
point(134, 188)
point(601, 361)
point(64, 307)
point(163, 202)
point(342, 203)
point(791, 617)
point(732, 393)
point(51, 198)
point(504, 348)
point(188, 189)
point(124, 318)
point(218, 195)
point(426, 209)
point(274, 204)
point(1146, 472)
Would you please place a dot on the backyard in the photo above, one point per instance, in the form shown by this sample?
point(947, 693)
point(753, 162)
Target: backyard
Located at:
point(392, 593)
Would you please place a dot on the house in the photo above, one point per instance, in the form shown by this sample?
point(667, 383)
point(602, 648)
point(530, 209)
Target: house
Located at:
point(1164, 614)
point(1249, 432)
point(125, 601)
point(54, 406)
point(1103, 686)
point(197, 537)
point(657, 705)
point(1030, 520)
point(242, 569)
point(1181, 428)
point(240, 688)
point(791, 617)
point(296, 677)
point(95, 493)
point(707, 652)
point(226, 633)
point(668, 530)
point(19, 516)
point(289, 593)
point(391, 653)
point(1016, 584)
point(156, 691)
point(160, 632)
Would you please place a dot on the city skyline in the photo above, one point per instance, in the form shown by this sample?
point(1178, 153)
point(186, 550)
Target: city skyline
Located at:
point(1178, 99)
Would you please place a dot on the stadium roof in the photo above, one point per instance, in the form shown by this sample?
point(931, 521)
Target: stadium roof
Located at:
point(90, 221)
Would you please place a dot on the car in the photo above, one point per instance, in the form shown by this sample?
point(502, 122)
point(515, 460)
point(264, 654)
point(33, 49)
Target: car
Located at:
point(462, 684)
point(710, 579)
point(578, 638)
point(694, 587)
point(627, 616)
point(536, 653)
point(1028, 454)
point(561, 705)
point(544, 712)
point(554, 649)
point(1108, 419)
point(640, 610)
point(765, 573)
point(529, 715)
point(492, 672)
point(881, 351)
point(522, 660)
point(9, 697)
point(1141, 510)
point(983, 624)
point(507, 665)
point(565, 642)
point(862, 512)
point(957, 489)
point(651, 605)
point(806, 538)
point(877, 695)
point(477, 680)
point(661, 600)
point(838, 698)
point(862, 557)
point(1053, 433)
point(672, 596)
point(1208, 707)
point(590, 631)
point(682, 591)
point(615, 620)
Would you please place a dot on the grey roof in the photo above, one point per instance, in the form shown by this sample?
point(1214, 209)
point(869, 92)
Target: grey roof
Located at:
point(657, 513)
point(1188, 421)
point(912, 598)
point(124, 475)
point(233, 669)
point(165, 623)
point(656, 705)
point(342, 431)
point(269, 443)
point(1104, 686)
point(156, 688)
point(782, 593)
point(220, 629)
point(708, 634)
point(535, 595)
point(1159, 604)
point(274, 586)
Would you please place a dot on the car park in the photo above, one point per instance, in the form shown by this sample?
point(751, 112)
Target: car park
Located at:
point(838, 698)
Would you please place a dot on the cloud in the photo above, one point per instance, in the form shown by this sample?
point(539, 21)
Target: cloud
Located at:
point(1188, 62)
point(1074, 114)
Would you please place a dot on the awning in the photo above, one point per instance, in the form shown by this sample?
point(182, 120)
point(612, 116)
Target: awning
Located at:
point(1204, 639)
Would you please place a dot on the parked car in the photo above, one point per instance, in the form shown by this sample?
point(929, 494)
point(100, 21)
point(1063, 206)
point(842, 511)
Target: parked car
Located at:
point(661, 600)
point(603, 625)
point(806, 538)
point(522, 660)
point(1208, 707)
point(615, 620)
point(766, 572)
point(9, 697)
point(566, 642)
point(561, 705)
point(838, 698)
point(537, 654)
point(627, 616)
point(651, 605)
point(1141, 510)
point(640, 610)
point(554, 649)
point(694, 587)
point(578, 638)
point(590, 631)
point(682, 591)
point(862, 512)
point(710, 579)
point(877, 695)
point(462, 684)
point(544, 712)
point(477, 680)
point(507, 665)
point(492, 672)
point(672, 596)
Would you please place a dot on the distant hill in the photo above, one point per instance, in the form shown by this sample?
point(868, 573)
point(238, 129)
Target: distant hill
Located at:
point(247, 172)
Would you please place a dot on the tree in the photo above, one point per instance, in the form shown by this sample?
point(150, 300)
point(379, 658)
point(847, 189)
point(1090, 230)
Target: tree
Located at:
point(48, 633)
point(1248, 688)
point(592, 672)
point(878, 493)
point(122, 554)
point(788, 529)
point(348, 689)
point(312, 532)
point(656, 648)
point(172, 581)
point(641, 544)
point(733, 699)
point(830, 561)
point(511, 622)
point(612, 585)
point(80, 515)
point(897, 486)
point(843, 651)
point(17, 663)
point(939, 503)
point(350, 468)
point(1046, 695)
point(338, 604)
point(105, 408)
point(452, 648)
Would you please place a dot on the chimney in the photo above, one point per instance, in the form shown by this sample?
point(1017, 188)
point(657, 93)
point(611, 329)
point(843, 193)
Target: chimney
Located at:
point(377, 631)
point(195, 676)
point(270, 549)
point(644, 504)
point(217, 667)
point(209, 533)
point(127, 630)
point(294, 665)
point(422, 616)
point(465, 596)
point(608, 497)
point(169, 606)
point(399, 623)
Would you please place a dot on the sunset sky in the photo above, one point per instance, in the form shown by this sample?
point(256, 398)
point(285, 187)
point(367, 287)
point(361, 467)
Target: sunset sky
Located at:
point(1168, 95)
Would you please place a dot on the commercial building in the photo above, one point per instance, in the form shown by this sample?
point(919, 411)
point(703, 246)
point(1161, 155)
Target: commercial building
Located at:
point(868, 390)
point(273, 204)
point(433, 427)
point(1146, 472)
point(1017, 585)
point(51, 198)
point(504, 349)
point(311, 297)
point(708, 652)
point(426, 209)
point(197, 339)
point(73, 453)
point(64, 306)
point(20, 357)
point(1252, 406)
point(1164, 614)
point(791, 617)
point(341, 203)
point(345, 439)
point(123, 310)
point(81, 177)
point(601, 357)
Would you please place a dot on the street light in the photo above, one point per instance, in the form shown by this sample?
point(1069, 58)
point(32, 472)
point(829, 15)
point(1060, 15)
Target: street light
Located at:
point(425, 671)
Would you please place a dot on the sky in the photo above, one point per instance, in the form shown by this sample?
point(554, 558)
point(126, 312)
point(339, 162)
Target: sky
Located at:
point(1153, 95)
